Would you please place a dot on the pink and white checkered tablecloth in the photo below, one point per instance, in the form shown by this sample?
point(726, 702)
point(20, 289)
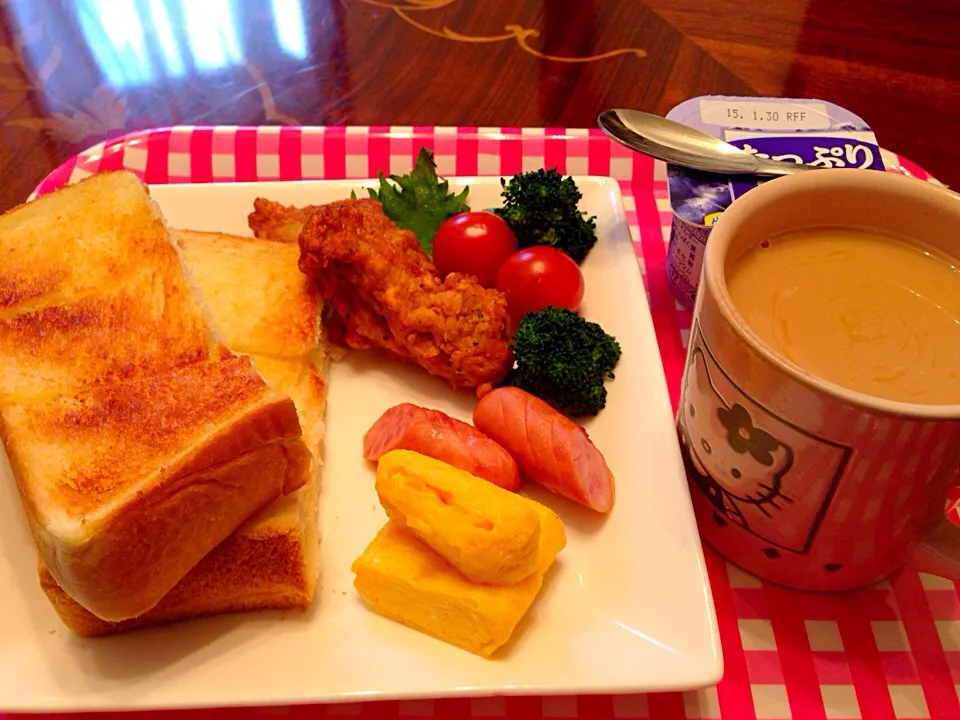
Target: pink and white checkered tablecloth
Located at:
point(890, 651)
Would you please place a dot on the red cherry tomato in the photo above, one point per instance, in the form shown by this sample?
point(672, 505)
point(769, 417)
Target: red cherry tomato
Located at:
point(537, 277)
point(473, 243)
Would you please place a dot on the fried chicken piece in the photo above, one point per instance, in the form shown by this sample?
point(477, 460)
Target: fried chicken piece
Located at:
point(388, 294)
point(274, 221)
point(360, 327)
point(353, 321)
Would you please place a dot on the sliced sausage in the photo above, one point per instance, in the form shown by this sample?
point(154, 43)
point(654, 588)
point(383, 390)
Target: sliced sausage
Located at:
point(437, 435)
point(549, 447)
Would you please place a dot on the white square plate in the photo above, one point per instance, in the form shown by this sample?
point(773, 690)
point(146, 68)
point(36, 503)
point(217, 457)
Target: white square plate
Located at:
point(626, 608)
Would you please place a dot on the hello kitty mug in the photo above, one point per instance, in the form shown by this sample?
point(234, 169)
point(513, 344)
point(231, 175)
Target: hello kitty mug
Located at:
point(800, 481)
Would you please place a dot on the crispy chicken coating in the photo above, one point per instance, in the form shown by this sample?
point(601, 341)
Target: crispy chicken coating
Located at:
point(386, 293)
point(274, 221)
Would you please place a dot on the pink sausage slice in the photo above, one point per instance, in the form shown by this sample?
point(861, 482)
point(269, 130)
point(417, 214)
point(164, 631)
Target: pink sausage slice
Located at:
point(549, 447)
point(437, 435)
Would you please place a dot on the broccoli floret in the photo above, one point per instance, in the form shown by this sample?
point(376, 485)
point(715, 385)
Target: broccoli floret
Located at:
point(541, 208)
point(564, 360)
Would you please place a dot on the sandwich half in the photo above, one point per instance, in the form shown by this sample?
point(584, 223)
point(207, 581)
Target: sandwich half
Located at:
point(263, 305)
point(138, 440)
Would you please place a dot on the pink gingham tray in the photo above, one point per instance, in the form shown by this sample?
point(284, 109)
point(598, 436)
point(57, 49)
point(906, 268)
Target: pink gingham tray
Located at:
point(890, 651)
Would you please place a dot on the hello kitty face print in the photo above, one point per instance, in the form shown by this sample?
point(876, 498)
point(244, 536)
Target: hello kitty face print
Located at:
point(759, 472)
point(747, 463)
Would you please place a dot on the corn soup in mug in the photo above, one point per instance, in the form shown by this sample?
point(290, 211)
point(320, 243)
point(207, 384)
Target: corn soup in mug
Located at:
point(867, 311)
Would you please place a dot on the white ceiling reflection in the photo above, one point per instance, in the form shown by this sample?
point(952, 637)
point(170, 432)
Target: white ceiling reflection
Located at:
point(291, 33)
point(211, 33)
point(135, 42)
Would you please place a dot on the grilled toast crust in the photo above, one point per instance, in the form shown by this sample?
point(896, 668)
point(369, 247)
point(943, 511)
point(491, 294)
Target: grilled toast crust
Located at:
point(121, 411)
point(146, 324)
point(184, 421)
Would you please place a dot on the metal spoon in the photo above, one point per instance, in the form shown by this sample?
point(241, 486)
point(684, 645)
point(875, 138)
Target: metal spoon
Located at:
point(679, 144)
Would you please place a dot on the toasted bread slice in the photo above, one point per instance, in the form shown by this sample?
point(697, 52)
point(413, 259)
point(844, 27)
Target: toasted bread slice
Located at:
point(255, 293)
point(78, 240)
point(137, 440)
point(272, 560)
point(92, 291)
point(128, 486)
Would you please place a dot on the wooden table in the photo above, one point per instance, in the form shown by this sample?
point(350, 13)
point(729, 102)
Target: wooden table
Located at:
point(73, 74)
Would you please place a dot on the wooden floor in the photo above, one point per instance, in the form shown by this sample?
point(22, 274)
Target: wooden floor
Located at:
point(73, 72)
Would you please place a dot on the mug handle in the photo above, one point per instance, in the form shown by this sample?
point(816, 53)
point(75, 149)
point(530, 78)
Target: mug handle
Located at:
point(938, 551)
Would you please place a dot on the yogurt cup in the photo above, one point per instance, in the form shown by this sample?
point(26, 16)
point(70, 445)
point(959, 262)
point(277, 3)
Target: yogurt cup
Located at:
point(798, 130)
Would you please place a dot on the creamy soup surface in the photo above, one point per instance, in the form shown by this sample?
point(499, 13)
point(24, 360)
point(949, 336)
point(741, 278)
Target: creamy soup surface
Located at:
point(860, 309)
